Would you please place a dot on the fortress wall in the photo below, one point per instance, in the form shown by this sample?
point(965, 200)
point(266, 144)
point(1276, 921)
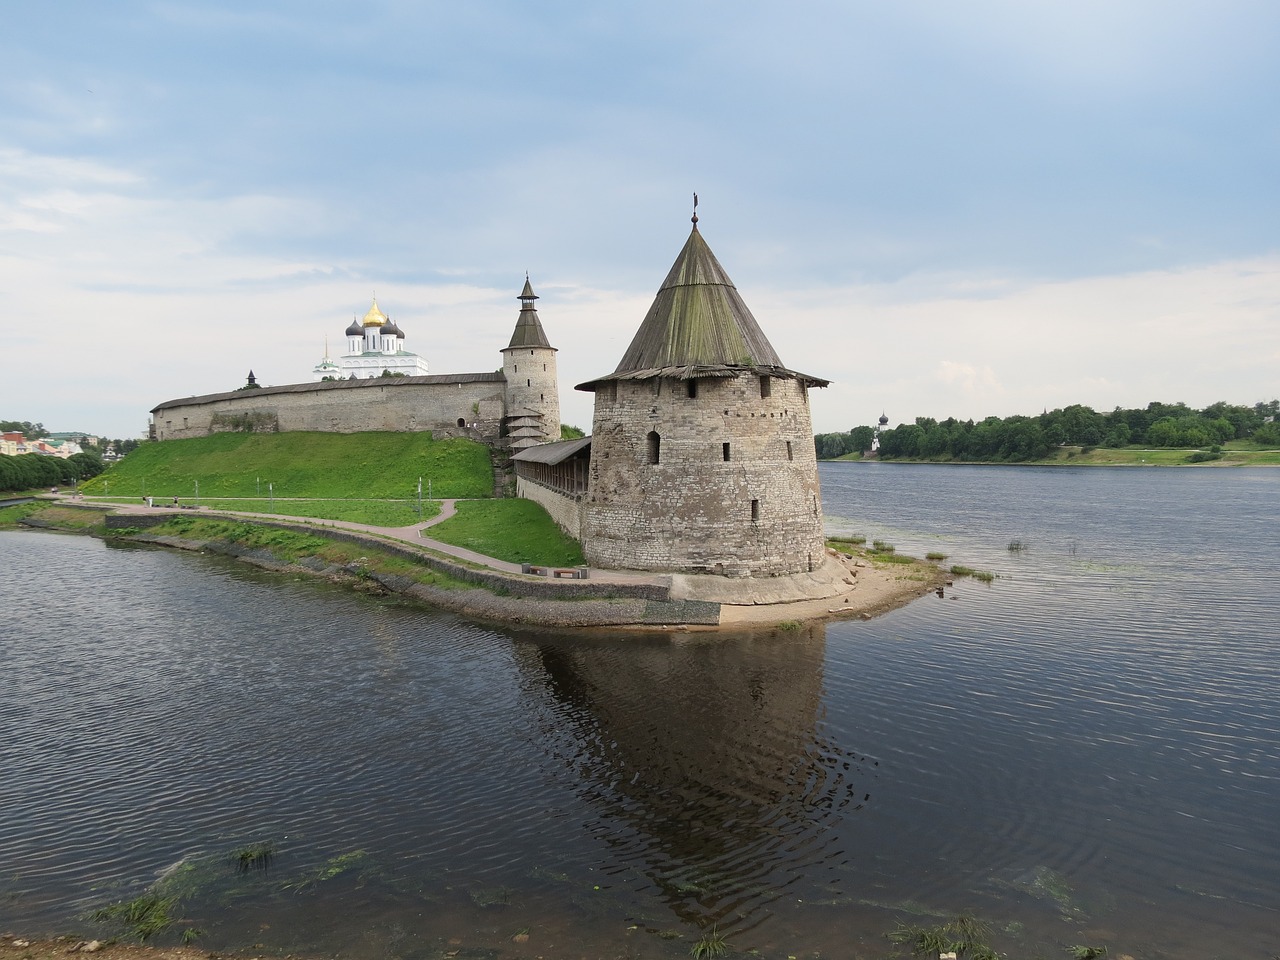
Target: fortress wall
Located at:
point(344, 407)
point(756, 514)
point(564, 509)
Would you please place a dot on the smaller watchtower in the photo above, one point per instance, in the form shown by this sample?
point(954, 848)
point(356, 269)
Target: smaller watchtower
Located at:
point(533, 392)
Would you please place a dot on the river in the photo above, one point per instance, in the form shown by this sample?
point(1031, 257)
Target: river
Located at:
point(1084, 751)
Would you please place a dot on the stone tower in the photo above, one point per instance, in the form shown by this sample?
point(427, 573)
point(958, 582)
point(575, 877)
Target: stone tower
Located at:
point(529, 364)
point(702, 453)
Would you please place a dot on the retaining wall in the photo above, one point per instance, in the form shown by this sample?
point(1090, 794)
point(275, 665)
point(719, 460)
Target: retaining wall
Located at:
point(564, 509)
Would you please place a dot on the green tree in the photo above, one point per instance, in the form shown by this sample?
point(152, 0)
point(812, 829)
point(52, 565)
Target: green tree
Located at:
point(1163, 433)
point(1117, 435)
point(1268, 434)
point(31, 431)
point(87, 465)
point(828, 446)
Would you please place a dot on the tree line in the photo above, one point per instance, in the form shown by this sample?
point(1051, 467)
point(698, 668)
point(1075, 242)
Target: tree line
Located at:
point(1021, 438)
point(33, 471)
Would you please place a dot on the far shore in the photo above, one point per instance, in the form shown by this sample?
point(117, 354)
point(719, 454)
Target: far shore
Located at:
point(1100, 457)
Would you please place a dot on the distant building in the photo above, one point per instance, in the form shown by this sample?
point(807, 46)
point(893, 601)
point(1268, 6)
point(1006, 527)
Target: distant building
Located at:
point(64, 449)
point(881, 424)
point(13, 444)
point(375, 346)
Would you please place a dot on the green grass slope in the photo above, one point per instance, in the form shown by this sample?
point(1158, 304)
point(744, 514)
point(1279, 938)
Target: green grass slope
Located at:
point(518, 531)
point(321, 465)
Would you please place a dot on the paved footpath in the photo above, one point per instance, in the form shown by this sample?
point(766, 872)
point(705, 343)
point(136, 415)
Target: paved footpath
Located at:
point(414, 534)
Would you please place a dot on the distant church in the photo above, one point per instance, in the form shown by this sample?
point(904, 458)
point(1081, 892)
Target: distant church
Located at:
point(375, 347)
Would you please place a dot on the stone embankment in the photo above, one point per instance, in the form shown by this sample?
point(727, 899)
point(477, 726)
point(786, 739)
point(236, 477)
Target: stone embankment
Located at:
point(502, 592)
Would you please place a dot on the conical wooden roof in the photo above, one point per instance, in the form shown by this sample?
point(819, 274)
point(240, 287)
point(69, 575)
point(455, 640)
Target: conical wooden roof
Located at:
point(698, 326)
point(698, 318)
point(528, 331)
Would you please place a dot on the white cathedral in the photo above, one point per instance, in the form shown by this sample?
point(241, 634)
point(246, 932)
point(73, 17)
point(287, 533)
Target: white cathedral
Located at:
point(375, 346)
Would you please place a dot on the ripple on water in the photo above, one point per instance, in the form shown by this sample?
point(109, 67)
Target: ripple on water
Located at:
point(1093, 735)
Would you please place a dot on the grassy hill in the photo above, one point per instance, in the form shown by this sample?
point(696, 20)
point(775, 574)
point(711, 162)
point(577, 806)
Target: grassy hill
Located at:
point(311, 465)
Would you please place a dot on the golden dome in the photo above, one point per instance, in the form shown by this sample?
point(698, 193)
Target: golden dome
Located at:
point(375, 317)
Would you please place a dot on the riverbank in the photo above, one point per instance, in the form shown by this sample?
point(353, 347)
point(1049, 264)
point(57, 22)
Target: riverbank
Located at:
point(1227, 456)
point(405, 561)
point(57, 948)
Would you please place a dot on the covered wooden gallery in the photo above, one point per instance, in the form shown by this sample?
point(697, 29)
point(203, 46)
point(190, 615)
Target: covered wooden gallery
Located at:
point(562, 466)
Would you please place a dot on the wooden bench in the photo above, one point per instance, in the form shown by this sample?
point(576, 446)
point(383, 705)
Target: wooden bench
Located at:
point(556, 573)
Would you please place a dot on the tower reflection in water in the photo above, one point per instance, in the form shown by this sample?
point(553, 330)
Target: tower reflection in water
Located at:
point(706, 759)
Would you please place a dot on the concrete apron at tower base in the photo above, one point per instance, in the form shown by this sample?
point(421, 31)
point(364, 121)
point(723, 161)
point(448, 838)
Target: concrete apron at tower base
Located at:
point(834, 578)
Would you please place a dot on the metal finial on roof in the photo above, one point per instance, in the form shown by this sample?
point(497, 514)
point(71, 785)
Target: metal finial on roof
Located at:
point(694, 218)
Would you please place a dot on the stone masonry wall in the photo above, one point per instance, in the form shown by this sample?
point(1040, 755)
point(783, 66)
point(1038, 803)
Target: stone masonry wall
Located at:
point(532, 383)
point(565, 510)
point(458, 407)
point(756, 513)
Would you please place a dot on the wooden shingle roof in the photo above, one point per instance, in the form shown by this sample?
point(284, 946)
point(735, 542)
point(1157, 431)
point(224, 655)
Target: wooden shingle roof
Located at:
point(552, 453)
point(528, 331)
point(699, 326)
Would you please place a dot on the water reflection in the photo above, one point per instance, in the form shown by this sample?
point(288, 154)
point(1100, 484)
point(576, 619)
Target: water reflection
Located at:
point(706, 760)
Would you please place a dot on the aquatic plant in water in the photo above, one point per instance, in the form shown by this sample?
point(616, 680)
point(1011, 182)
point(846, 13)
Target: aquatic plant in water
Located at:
point(142, 917)
point(332, 868)
point(711, 944)
point(964, 935)
point(491, 897)
point(256, 856)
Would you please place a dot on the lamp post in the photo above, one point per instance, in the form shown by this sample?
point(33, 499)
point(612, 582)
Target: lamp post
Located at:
point(271, 491)
point(419, 498)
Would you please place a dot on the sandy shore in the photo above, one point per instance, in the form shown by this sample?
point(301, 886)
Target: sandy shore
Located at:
point(868, 590)
point(14, 947)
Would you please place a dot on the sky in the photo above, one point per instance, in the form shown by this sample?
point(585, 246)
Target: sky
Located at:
point(969, 209)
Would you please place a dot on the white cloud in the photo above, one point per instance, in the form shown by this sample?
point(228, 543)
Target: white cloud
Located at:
point(947, 213)
point(1196, 334)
